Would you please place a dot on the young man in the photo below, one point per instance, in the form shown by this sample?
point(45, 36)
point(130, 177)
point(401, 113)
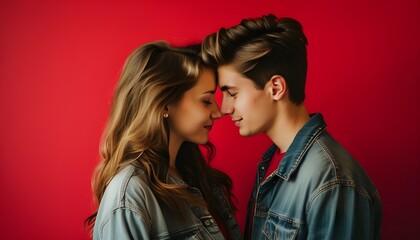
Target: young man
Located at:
point(308, 186)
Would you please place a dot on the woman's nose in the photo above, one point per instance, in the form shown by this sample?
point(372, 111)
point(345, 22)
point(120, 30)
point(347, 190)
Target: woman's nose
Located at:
point(216, 114)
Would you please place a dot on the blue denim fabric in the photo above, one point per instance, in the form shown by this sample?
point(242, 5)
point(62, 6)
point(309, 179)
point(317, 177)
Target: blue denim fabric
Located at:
point(317, 192)
point(129, 210)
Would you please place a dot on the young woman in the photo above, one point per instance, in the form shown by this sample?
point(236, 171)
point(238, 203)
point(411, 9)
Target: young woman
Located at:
point(153, 181)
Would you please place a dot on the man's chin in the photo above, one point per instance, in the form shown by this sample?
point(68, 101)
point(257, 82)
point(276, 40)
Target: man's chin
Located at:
point(245, 133)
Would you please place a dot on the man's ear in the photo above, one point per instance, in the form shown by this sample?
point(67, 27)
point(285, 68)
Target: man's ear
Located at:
point(278, 87)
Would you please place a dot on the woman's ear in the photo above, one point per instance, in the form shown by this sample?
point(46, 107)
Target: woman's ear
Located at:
point(278, 87)
point(166, 112)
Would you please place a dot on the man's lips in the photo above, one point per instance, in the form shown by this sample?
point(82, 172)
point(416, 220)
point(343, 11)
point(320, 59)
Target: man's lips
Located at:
point(237, 121)
point(209, 127)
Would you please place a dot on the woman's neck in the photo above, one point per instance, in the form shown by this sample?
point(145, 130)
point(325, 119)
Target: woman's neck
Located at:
point(174, 145)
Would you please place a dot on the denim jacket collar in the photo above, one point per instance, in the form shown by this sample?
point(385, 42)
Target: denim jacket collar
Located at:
point(300, 145)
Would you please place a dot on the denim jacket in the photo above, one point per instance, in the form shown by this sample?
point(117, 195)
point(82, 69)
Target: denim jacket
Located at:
point(318, 191)
point(130, 210)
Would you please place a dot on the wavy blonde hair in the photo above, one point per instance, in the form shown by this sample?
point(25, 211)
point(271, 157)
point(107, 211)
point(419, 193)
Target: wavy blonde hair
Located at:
point(154, 76)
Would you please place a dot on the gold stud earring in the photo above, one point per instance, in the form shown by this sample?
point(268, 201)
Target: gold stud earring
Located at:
point(165, 115)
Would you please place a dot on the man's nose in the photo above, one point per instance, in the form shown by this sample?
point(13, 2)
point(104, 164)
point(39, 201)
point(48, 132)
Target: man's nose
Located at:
point(227, 106)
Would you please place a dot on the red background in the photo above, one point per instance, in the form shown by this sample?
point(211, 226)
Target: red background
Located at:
point(60, 60)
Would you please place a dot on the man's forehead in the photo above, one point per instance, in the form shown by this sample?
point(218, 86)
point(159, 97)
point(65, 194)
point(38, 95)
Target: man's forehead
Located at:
point(227, 70)
point(228, 77)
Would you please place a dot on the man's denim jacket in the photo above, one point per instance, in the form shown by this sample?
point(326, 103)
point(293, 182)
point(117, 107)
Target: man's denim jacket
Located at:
point(129, 210)
point(317, 192)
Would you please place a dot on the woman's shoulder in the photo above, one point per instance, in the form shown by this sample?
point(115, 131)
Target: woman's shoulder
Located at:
point(129, 202)
point(129, 185)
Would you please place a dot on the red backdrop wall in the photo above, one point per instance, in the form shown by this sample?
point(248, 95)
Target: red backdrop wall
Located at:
point(60, 60)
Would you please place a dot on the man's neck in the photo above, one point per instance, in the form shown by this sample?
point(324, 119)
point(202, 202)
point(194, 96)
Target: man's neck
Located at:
point(291, 118)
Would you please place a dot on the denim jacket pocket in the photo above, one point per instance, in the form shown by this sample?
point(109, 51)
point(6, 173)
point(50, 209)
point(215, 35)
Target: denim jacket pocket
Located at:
point(280, 228)
point(195, 235)
point(210, 224)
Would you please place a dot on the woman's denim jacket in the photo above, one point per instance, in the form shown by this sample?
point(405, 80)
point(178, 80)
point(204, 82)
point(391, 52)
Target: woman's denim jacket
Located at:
point(129, 210)
point(317, 192)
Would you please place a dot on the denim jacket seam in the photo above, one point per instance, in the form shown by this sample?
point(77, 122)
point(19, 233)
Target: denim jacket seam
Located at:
point(109, 215)
point(328, 153)
point(339, 178)
point(317, 192)
point(363, 192)
point(122, 203)
point(286, 218)
point(124, 185)
point(313, 138)
point(375, 195)
point(330, 185)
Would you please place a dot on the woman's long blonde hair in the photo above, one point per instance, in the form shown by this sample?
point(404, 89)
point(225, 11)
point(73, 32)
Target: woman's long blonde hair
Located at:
point(154, 76)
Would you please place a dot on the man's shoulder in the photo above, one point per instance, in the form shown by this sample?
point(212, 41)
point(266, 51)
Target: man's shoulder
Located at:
point(328, 156)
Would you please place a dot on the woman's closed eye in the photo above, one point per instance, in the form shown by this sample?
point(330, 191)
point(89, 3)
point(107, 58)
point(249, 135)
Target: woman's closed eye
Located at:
point(207, 102)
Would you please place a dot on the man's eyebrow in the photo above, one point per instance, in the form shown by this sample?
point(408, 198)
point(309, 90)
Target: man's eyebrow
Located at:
point(225, 88)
